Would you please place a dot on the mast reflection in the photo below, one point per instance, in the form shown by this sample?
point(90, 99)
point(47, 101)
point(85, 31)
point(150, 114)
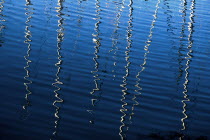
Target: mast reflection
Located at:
point(96, 92)
point(27, 41)
point(189, 59)
point(60, 37)
point(124, 120)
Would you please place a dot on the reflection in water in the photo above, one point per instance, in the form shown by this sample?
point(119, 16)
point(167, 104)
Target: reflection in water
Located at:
point(96, 91)
point(2, 26)
point(115, 34)
point(60, 37)
point(169, 21)
point(180, 59)
point(188, 58)
point(143, 65)
point(125, 124)
point(27, 56)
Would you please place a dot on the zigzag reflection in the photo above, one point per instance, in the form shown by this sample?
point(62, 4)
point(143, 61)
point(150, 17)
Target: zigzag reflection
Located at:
point(60, 37)
point(28, 35)
point(97, 80)
point(124, 127)
point(188, 58)
point(184, 5)
point(143, 65)
point(115, 34)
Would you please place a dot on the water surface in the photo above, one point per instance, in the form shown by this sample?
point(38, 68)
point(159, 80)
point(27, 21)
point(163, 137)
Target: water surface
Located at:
point(104, 70)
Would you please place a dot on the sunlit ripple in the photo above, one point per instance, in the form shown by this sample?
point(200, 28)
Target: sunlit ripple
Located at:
point(125, 125)
point(189, 59)
point(95, 93)
point(28, 35)
point(60, 37)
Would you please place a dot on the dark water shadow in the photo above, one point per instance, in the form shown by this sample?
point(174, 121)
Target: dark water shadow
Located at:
point(138, 91)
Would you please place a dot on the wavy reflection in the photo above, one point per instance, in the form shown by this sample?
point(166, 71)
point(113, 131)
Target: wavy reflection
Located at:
point(188, 58)
point(115, 34)
point(2, 26)
point(124, 120)
point(169, 21)
point(182, 36)
point(96, 92)
point(27, 41)
point(60, 37)
point(143, 65)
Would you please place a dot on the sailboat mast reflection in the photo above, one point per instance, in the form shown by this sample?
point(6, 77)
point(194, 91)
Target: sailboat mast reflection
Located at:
point(189, 59)
point(115, 35)
point(27, 41)
point(96, 39)
point(60, 37)
point(182, 36)
point(2, 26)
point(143, 65)
point(125, 124)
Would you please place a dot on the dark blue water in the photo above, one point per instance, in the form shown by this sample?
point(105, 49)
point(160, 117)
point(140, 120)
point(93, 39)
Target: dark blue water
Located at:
point(104, 70)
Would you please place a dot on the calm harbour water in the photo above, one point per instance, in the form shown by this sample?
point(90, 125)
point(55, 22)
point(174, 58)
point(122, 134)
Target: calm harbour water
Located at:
point(104, 69)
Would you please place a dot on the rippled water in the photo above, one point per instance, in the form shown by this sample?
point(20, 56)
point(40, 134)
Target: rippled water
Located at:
point(104, 70)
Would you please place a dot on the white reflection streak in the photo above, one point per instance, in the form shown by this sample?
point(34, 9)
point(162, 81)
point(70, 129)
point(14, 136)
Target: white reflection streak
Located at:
point(60, 37)
point(188, 58)
point(96, 40)
point(124, 127)
point(143, 65)
point(28, 61)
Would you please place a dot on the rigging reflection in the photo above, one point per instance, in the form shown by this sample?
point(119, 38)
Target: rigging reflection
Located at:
point(96, 92)
point(115, 34)
point(60, 37)
point(27, 41)
point(182, 39)
point(143, 65)
point(124, 118)
point(2, 26)
point(188, 59)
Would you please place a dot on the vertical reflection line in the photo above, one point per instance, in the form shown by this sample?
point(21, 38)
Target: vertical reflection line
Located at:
point(188, 58)
point(125, 125)
point(115, 34)
point(2, 26)
point(143, 65)
point(27, 41)
point(96, 40)
point(60, 37)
